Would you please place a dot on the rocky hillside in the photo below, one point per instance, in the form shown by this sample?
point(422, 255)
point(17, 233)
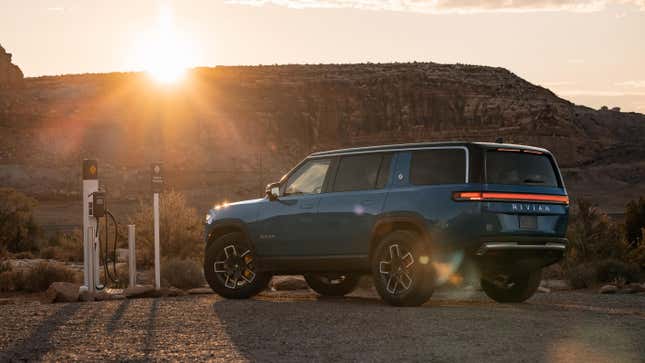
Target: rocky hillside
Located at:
point(10, 74)
point(226, 131)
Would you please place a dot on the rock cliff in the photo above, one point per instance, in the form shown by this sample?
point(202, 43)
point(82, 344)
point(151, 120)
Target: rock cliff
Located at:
point(227, 131)
point(10, 74)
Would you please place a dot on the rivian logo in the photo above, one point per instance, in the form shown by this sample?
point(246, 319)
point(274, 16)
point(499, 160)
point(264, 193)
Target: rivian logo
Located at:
point(519, 207)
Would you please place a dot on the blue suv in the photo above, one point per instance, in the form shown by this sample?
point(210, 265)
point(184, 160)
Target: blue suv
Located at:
point(412, 216)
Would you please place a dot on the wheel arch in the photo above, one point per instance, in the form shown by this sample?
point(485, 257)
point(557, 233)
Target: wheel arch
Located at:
point(387, 224)
point(226, 226)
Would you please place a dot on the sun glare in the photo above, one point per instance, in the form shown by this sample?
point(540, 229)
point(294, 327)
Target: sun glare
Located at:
point(164, 52)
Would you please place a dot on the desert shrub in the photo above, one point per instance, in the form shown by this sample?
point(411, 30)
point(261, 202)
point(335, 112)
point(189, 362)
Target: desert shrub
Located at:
point(18, 230)
point(593, 236)
point(591, 274)
point(598, 251)
point(64, 247)
point(44, 274)
point(582, 276)
point(635, 222)
point(11, 281)
point(183, 274)
point(180, 230)
point(25, 255)
point(612, 270)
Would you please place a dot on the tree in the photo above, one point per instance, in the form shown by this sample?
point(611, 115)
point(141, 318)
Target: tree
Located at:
point(18, 229)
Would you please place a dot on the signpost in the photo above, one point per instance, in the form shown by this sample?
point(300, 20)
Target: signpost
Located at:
point(157, 187)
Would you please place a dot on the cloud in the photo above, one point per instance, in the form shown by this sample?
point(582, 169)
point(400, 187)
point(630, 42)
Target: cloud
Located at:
point(452, 6)
point(632, 84)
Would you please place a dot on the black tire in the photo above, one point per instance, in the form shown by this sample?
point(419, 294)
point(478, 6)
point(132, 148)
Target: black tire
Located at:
point(229, 268)
point(332, 284)
point(523, 286)
point(411, 283)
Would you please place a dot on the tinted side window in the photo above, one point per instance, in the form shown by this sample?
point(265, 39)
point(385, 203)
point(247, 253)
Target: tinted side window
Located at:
point(440, 166)
point(358, 172)
point(520, 168)
point(309, 178)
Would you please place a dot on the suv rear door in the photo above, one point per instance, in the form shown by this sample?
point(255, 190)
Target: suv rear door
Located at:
point(346, 214)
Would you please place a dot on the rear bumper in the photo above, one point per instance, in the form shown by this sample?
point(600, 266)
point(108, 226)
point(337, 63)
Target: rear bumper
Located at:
point(528, 254)
point(515, 246)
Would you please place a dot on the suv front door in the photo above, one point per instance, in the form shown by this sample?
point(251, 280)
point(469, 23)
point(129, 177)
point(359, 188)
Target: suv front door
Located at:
point(289, 222)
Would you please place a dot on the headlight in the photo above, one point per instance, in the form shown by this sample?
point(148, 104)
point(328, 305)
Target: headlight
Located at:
point(209, 218)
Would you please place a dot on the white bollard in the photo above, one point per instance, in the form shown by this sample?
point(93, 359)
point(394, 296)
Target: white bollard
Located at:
point(156, 228)
point(132, 257)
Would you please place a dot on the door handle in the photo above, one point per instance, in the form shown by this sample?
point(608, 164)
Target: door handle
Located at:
point(306, 205)
point(367, 202)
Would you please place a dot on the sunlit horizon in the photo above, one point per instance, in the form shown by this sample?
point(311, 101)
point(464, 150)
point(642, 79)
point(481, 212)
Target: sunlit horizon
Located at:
point(163, 51)
point(591, 56)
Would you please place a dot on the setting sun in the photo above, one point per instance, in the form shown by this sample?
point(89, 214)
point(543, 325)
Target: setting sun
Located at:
point(164, 52)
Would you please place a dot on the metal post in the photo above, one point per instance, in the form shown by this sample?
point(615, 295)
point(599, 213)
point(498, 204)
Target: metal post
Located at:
point(156, 227)
point(132, 258)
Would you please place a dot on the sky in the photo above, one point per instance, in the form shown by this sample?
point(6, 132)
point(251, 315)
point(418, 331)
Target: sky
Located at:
point(590, 52)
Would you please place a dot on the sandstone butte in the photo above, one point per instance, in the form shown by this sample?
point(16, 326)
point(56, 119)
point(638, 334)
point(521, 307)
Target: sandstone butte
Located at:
point(225, 132)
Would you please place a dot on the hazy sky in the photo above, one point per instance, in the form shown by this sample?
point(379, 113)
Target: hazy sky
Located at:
point(591, 52)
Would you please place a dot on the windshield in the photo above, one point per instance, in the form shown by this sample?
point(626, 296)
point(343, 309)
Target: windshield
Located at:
point(520, 168)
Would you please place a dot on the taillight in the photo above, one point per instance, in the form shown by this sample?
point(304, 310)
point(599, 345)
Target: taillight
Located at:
point(510, 197)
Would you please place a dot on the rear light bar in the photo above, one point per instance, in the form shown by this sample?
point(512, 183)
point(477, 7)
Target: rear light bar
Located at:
point(510, 197)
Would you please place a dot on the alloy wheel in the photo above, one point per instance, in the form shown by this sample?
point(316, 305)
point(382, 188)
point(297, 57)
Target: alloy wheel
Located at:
point(395, 267)
point(233, 268)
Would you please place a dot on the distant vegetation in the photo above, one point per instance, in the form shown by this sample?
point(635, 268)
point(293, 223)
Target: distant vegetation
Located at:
point(18, 230)
point(181, 230)
point(601, 249)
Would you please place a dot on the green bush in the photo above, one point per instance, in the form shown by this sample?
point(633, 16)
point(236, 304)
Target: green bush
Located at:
point(18, 230)
point(182, 274)
point(180, 230)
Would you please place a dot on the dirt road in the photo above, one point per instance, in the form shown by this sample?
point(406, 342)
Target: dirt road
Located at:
point(298, 326)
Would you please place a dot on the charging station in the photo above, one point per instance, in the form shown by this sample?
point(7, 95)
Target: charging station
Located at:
point(95, 209)
point(90, 226)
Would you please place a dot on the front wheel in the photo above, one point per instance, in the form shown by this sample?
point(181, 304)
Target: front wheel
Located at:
point(332, 284)
point(403, 275)
point(519, 287)
point(229, 268)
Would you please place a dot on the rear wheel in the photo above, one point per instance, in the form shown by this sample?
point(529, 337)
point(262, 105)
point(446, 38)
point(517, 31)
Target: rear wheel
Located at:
point(332, 284)
point(518, 287)
point(229, 268)
point(403, 275)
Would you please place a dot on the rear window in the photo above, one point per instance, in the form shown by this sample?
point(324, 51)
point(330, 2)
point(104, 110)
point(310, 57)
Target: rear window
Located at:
point(439, 166)
point(520, 168)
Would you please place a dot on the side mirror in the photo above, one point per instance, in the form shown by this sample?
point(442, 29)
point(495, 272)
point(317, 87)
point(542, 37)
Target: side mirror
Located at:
point(273, 191)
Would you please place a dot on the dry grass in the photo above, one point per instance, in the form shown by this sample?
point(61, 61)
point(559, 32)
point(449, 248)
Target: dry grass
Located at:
point(37, 278)
point(182, 274)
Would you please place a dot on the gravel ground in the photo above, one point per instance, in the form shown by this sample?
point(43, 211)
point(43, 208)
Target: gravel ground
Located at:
point(298, 326)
